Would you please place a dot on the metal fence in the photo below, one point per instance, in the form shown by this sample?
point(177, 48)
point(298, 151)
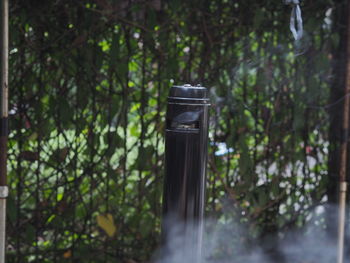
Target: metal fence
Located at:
point(89, 82)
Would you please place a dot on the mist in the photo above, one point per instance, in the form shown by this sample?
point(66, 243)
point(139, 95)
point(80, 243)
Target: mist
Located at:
point(226, 239)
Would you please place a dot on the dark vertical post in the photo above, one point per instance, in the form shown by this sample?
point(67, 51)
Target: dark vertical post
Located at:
point(3, 125)
point(344, 152)
point(186, 142)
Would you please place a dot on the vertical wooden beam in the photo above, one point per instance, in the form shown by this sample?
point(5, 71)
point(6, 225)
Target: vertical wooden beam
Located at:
point(3, 125)
point(4, 91)
point(343, 149)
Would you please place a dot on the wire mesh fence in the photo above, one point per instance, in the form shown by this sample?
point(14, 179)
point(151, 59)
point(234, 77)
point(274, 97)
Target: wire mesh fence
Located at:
point(89, 82)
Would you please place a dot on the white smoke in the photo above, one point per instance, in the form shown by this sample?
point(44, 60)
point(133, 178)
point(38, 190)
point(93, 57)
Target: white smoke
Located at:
point(226, 240)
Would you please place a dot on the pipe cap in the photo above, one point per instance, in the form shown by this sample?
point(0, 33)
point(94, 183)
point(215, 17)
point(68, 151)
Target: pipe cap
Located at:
point(188, 91)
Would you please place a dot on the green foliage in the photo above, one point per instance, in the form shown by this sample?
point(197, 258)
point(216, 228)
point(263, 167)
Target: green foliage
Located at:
point(89, 82)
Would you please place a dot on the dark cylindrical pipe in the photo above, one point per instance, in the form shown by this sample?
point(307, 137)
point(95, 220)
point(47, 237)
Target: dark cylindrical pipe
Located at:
point(186, 141)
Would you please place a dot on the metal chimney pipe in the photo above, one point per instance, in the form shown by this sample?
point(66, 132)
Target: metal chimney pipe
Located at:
point(186, 140)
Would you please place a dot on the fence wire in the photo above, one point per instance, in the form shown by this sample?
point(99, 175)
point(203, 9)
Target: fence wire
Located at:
point(89, 82)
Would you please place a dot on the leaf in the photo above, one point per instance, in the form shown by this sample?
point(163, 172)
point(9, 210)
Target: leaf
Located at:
point(134, 131)
point(33, 136)
point(106, 222)
point(67, 254)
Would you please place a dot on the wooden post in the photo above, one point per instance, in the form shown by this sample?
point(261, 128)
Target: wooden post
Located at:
point(343, 149)
point(3, 125)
